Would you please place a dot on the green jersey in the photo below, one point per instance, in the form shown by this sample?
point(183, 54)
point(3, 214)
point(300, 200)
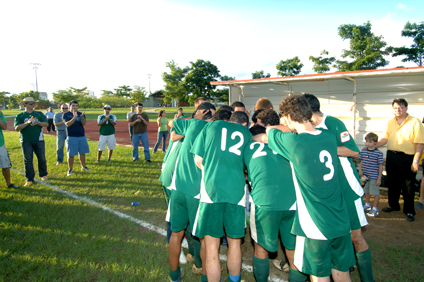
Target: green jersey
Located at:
point(221, 144)
point(168, 168)
point(169, 145)
point(349, 177)
point(321, 211)
point(30, 133)
point(1, 131)
point(271, 178)
point(107, 128)
point(187, 175)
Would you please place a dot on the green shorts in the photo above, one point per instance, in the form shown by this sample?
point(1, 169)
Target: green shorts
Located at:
point(183, 210)
point(318, 257)
point(356, 213)
point(212, 219)
point(265, 225)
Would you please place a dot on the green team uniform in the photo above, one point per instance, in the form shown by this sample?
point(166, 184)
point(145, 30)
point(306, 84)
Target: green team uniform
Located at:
point(30, 133)
point(221, 145)
point(273, 196)
point(321, 214)
point(107, 128)
point(187, 176)
point(349, 177)
point(170, 144)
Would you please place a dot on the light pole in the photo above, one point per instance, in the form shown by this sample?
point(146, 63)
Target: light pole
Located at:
point(149, 75)
point(36, 68)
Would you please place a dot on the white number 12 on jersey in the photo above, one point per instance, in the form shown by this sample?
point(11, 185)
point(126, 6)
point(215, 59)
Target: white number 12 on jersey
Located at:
point(328, 163)
point(235, 148)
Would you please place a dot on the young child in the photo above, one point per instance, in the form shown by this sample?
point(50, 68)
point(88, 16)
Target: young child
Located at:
point(371, 167)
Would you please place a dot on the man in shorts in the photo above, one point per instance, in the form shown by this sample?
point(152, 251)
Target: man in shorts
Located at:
point(107, 123)
point(321, 224)
point(30, 124)
point(273, 205)
point(76, 143)
point(186, 186)
point(5, 163)
point(61, 133)
point(350, 184)
point(219, 150)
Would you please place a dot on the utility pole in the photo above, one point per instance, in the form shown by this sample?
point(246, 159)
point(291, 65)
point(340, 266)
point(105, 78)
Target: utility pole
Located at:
point(149, 75)
point(36, 68)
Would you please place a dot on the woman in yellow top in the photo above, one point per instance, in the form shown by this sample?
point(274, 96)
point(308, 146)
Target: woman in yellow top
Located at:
point(162, 131)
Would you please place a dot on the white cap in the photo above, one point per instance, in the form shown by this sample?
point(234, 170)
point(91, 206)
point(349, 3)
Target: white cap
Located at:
point(107, 106)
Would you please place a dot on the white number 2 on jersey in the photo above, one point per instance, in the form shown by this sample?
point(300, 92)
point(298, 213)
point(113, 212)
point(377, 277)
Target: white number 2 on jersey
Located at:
point(328, 163)
point(235, 148)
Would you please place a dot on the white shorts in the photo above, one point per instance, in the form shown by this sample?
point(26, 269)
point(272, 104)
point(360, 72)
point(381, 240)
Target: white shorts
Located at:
point(4, 158)
point(109, 140)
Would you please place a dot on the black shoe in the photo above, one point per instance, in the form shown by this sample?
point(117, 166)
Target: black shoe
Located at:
point(390, 209)
point(149, 161)
point(135, 160)
point(410, 217)
point(13, 186)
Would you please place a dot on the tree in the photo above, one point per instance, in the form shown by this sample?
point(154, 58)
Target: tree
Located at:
point(79, 91)
point(13, 101)
point(64, 96)
point(416, 52)
point(139, 94)
point(174, 85)
point(260, 74)
point(321, 64)
point(198, 80)
point(366, 51)
point(289, 67)
point(222, 93)
point(106, 93)
point(123, 91)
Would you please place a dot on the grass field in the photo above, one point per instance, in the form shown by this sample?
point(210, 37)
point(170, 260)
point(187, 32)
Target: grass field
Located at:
point(46, 235)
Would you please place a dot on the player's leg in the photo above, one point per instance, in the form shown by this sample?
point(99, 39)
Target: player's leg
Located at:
point(174, 249)
point(339, 276)
point(109, 156)
point(260, 263)
point(99, 155)
point(213, 265)
point(111, 145)
point(234, 258)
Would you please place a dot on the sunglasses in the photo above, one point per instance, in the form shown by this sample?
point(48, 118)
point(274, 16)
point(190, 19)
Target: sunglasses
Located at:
point(107, 109)
point(64, 108)
point(31, 104)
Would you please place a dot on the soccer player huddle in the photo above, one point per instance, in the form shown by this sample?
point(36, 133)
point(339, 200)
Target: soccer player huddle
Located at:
point(304, 187)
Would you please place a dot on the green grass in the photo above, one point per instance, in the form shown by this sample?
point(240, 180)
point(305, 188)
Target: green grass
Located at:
point(46, 235)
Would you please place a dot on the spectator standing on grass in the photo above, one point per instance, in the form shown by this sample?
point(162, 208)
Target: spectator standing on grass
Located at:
point(30, 124)
point(130, 128)
point(5, 163)
point(50, 116)
point(107, 123)
point(162, 131)
point(405, 142)
point(76, 142)
point(139, 121)
point(61, 133)
point(372, 168)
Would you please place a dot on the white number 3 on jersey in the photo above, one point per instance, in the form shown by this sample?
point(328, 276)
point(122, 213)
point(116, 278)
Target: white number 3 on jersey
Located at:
point(329, 163)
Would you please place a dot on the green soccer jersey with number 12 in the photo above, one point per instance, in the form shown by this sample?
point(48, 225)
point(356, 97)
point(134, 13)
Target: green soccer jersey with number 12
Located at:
point(221, 145)
point(321, 212)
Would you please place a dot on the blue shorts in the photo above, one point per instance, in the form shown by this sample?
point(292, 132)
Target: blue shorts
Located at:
point(76, 146)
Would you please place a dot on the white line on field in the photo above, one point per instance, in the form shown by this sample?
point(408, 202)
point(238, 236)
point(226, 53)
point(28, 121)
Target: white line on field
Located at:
point(144, 224)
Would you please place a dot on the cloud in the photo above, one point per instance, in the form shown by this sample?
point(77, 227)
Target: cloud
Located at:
point(404, 7)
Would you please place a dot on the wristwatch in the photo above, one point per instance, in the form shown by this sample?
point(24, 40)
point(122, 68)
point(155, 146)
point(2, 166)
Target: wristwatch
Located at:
point(415, 161)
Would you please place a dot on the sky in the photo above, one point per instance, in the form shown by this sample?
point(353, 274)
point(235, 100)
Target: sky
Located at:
point(105, 44)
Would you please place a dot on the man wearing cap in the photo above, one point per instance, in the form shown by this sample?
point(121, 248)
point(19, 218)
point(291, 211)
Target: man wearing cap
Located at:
point(29, 123)
point(76, 143)
point(61, 133)
point(139, 122)
point(107, 123)
point(5, 163)
point(50, 116)
point(130, 128)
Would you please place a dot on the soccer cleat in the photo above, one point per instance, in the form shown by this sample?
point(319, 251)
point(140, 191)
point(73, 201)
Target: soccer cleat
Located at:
point(44, 178)
point(373, 213)
point(410, 217)
point(28, 183)
point(197, 271)
point(69, 172)
point(13, 186)
point(97, 161)
point(85, 168)
point(181, 276)
point(190, 258)
point(367, 207)
point(281, 265)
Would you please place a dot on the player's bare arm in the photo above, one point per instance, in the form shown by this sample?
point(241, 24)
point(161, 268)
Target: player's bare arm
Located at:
point(262, 138)
point(198, 160)
point(175, 136)
point(343, 151)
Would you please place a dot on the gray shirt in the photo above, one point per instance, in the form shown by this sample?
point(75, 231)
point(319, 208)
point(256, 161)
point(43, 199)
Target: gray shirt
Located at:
point(58, 118)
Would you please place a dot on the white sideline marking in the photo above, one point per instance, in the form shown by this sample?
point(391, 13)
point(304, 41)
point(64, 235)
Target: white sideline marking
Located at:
point(144, 224)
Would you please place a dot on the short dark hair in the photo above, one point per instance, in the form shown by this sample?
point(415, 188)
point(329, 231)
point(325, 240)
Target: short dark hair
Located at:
point(257, 129)
point(222, 114)
point(206, 106)
point(197, 101)
point(400, 102)
point(73, 102)
point(239, 118)
point(255, 115)
point(371, 137)
point(263, 103)
point(297, 107)
point(268, 117)
point(180, 109)
point(313, 102)
point(132, 106)
point(237, 104)
point(139, 104)
point(229, 108)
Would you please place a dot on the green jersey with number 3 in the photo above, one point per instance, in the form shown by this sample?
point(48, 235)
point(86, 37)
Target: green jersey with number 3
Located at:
point(221, 145)
point(321, 211)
